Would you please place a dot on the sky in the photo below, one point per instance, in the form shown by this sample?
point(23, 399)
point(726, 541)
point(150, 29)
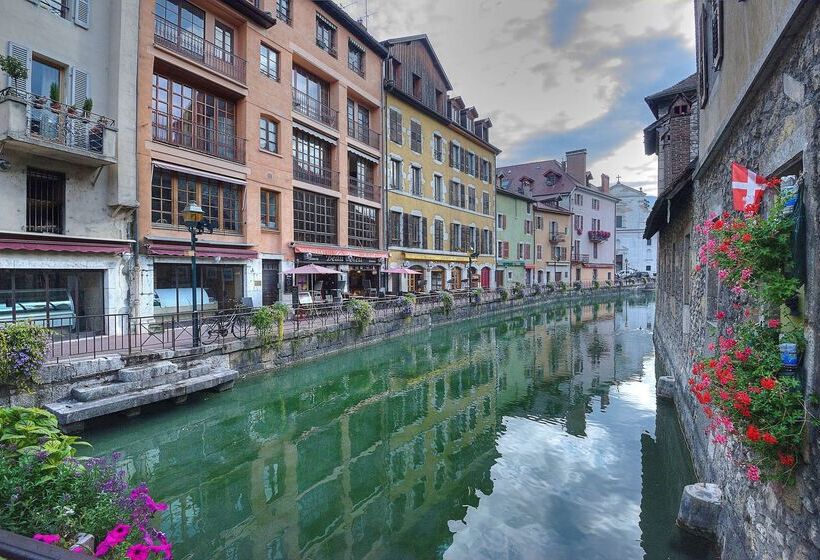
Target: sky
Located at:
point(554, 75)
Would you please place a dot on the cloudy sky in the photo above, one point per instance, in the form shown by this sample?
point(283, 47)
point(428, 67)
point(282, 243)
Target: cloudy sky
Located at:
point(555, 75)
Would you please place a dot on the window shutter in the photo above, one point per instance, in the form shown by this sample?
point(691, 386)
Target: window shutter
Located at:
point(80, 87)
point(82, 12)
point(405, 219)
point(452, 237)
point(22, 54)
point(424, 233)
point(465, 233)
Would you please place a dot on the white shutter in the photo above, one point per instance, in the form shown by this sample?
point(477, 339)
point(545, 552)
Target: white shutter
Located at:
point(82, 12)
point(22, 54)
point(80, 87)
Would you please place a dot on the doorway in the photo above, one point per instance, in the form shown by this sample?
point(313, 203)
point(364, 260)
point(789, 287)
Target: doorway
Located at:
point(270, 281)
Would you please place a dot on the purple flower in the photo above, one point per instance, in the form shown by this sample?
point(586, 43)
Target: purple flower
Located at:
point(41, 455)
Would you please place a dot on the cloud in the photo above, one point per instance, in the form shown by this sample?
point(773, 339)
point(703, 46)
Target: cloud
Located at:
point(549, 70)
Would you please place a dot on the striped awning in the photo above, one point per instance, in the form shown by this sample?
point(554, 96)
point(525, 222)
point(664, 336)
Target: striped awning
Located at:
point(307, 130)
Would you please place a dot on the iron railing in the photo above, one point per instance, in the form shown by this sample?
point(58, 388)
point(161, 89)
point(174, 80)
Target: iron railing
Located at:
point(315, 109)
point(327, 46)
point(557, 237)
point(196, 48)
point(204, 139)
point(364, 134)
point(315, 174)
point(579, 257)
point(364, 189)
point(60, 123)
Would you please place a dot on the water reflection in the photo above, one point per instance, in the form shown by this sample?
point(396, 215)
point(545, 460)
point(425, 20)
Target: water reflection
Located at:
point(518, 437)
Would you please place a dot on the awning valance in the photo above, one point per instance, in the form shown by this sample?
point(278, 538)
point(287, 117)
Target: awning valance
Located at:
point(307, 130)
point(437, 258)
point(362, 154)
point(340, 251)
point(198, 172)
point(172, 250)
point(63, 246)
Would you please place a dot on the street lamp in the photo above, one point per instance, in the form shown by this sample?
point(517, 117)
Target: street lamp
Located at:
point(471, 254)
point(192, 216)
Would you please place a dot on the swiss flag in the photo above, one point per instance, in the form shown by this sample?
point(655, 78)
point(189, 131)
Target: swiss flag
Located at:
point(747, 187)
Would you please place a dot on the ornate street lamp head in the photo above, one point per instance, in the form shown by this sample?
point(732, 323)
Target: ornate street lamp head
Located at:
point(192, 214)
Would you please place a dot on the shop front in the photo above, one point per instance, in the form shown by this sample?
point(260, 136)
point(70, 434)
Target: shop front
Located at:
point(360, 271)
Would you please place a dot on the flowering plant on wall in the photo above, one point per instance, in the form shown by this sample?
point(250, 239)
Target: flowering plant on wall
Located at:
point(740, 386)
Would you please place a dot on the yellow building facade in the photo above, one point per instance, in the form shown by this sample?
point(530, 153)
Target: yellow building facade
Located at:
point(440, 203)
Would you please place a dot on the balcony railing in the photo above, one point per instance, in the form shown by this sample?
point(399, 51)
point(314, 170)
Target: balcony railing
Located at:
point(438, 155)
point(364, 134)
point(556, 237)
point(364, 189)
point(597, 236)
point(315, 174)
point(580, 257)
point(314, 109)
point(196, 48)
point(329, 48)
point(204, 139)
point(86, 135)
point(283, 14)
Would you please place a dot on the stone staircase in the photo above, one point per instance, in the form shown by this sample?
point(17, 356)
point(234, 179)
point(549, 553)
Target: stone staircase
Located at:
point(140, 385)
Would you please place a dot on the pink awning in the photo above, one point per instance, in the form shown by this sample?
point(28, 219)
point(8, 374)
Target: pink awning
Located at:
point(401, 271)
point(311, 269)
point(172, 250)
point(7, 244)
point(340, 252)
point(529, 266)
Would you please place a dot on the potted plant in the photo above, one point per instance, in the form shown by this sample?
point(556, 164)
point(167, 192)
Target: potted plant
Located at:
point(54, 93)
point(88, 104)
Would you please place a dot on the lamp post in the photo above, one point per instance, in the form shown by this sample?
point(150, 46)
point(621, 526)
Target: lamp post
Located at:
point(192, 216)
point(471, 254)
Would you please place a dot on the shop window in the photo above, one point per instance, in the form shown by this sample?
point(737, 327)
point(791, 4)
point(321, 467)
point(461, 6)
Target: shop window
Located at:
point(220, 286)
point(45, 201)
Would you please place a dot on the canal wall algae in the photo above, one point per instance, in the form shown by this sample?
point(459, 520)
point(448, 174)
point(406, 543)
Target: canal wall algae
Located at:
point(532, 434)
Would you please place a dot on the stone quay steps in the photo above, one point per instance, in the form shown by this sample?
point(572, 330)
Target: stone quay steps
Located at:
point(138, 386)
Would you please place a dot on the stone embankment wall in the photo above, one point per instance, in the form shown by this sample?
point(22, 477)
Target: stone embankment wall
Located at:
point(779, 125)
point(248, 356)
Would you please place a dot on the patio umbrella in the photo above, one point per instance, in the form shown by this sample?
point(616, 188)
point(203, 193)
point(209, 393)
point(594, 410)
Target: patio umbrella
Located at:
point(402, 271)
point(311, 269)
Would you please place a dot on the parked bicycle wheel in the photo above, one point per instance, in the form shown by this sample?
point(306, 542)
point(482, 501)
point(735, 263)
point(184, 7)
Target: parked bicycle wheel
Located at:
point(240, 326)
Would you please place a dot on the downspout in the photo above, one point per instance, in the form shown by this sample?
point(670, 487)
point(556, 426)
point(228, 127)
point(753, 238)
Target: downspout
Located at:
point(385, 242)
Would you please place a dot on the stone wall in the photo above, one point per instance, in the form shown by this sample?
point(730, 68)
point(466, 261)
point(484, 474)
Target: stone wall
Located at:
point(774, 128)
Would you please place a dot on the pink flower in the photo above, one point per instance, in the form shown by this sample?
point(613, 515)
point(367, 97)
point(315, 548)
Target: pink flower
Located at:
point(738, 290)
point(114, 537)
point(138, 552)
point(753, 473)
point(78, 548)
point(711, 347)
point(720, 438)
point(48, 539)
point(745, 274)
point(720, 315)
point(723, 274)
point(774, 324)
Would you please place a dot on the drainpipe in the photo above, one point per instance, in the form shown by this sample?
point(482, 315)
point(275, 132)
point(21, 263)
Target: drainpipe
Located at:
point(385, 242)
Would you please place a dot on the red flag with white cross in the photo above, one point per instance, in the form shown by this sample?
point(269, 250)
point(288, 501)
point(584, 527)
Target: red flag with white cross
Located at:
point(747, 188)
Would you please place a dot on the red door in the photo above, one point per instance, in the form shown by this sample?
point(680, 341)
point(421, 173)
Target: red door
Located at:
point(485, 278)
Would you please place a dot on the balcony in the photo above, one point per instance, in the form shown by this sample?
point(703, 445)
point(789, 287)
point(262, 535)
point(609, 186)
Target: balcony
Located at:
point(597, 236)
point(556, 237)
point(364, 134)
point(315, 110)
point(582, 258)
point(188, 45)
point(315, 174)
point(203, 139)
point(55, 130)
point(363, 189)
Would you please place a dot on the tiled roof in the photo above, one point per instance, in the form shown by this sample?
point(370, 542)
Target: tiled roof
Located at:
point(687, 85)
point(537, 170)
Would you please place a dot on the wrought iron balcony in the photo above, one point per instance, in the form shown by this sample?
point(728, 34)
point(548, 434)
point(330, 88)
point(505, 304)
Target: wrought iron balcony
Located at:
point(580, 257)
point(597, 236)
point(56, 130)
point(314, 109)
point(196, 48)
point(556, 237)
point(364, 134)
point(204, 139)
point(315, 174)
point(363, 189)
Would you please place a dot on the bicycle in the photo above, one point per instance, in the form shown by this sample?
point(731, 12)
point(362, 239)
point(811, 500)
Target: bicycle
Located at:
point(234, 321)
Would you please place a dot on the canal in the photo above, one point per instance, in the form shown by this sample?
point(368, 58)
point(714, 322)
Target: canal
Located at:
point(529, 436)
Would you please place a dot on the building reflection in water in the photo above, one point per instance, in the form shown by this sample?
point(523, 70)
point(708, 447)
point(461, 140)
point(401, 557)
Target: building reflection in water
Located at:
point(374, 453)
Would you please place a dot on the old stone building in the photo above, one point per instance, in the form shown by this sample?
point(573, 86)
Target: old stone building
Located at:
point(757, 84)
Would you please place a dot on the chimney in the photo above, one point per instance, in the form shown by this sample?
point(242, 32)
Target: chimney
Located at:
point(577, 164)
point(604, 182)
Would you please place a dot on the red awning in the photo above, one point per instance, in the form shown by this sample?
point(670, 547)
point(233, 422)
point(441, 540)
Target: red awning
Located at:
point(529, 266)
point(7, 244)
point(340, 252)
point(171, 250)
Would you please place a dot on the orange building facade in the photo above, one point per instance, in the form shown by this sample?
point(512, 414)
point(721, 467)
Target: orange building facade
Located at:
point(267, 114)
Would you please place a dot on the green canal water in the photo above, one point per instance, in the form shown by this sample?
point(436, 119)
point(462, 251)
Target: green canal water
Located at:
point(533, 436)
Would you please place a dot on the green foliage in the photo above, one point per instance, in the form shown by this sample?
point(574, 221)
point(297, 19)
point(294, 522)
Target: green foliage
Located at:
point(363, 313)
point(446, 299)
point(536, 289)
point(22, 353)
point(54, 92)
point(88, 104)
point(562, 286)
point(502, 291)
point(29, 431)
point(518, 291)
point(595, 284)
point(409, 299)
point(475, 295)
point(609, 283)
point(264, 319)
point(15, 69)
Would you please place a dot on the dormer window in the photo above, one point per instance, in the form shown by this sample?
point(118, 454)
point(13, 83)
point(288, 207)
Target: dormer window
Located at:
point(551, 179)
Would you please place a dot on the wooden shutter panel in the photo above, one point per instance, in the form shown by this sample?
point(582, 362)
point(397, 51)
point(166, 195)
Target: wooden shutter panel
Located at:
point(80, 87)
point(22, 54)
point(82, 12)
point(405, 230)
point(424, 233)
point(465, 233)
point(452, 237)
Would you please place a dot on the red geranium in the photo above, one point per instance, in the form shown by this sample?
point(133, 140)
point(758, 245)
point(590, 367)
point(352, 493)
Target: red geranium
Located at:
point(753, 433)
point(768, 383)
point(769, 438)
point(785, 459)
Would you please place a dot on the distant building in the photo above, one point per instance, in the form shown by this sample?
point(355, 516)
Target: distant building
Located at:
point(514, 227)
point(553, 241)
point(632, 251)
point(569, 185)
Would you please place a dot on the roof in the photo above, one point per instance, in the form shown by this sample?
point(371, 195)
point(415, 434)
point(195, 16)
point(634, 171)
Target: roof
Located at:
point(658, 216)
point(551, 208)
point(260, 17)
point(428, 45)
point(515, 193)
point(357, 29)
point(686, 85)
point(565, 184)
point(628, 191)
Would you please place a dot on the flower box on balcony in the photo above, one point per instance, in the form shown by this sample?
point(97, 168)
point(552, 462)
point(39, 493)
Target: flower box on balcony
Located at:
point(596, 236)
